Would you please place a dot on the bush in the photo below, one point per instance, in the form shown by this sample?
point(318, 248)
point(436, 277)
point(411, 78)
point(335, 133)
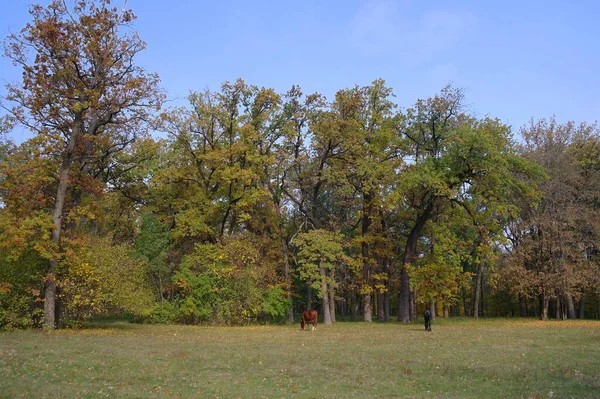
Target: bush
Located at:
point(165, 313)
point(17, 308)
point(103, 279)
point(275, 302)
point(227, 283)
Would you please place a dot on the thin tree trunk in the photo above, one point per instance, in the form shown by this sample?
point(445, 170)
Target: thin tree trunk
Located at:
point(388, 299)
point(536, 306)
point(446, 312)
point(404, 296)
point(331, 294)
point(160, 291)
point(387, 305)
point(582, 307)
point(49, 299)
point(570, 307)
point(366, 222)
point(288, 281)
point(309, 297)
point(388, 295)
point(380, 306)
point(522, 306)
point(477, 294)
point(286, 260)
point(354, 304)
point(432, 309)
point(545, 303)
point(59, 205)
point(410, 254)
point(413, 305)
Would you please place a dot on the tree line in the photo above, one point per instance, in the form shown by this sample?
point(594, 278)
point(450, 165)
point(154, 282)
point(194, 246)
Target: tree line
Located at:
point(258, 204)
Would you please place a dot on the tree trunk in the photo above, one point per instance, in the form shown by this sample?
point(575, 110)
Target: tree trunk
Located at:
point(522, 306)
point(367, 316)
point(481, 301)
point(59, 205)
point(160, 291)
point(49, 301)
point(343, 307)
point(331, 294)
point(354, 304)
point(325, 298)
point(570, 307)
point(388, 295)
point(380, 306)
point(446, 312)
point(325, 305)
point(288, 280)
point(477, 294)
point(309, 297)
point(366, 222)
point(286, 260)
point(582, 307)
point(432, 309)
point(387, 301)
point(404, 296)
point(544, 304)
point(413, 305)
point(410, 255)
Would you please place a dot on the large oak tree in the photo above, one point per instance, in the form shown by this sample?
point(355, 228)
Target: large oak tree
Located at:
point(81, 92)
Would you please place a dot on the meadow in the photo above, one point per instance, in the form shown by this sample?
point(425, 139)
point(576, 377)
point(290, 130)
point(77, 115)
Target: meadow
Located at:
point(460, 358)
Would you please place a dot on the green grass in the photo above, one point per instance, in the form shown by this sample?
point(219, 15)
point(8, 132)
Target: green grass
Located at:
point(459, 359)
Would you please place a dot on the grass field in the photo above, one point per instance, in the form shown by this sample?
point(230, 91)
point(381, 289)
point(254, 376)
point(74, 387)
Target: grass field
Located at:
point(459, 359)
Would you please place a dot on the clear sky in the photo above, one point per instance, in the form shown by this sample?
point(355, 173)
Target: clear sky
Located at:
point(515, 59)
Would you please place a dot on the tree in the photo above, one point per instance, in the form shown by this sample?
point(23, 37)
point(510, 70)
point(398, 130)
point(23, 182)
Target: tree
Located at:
point(82, 92)
point(320, 253)
point(553, 240)
point(367, 162)
point(454, 158)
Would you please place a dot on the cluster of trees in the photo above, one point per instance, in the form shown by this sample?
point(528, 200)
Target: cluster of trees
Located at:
point(260, 204)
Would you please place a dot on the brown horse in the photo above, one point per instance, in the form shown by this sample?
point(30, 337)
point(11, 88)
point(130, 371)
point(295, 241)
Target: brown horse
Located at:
point(309, 317)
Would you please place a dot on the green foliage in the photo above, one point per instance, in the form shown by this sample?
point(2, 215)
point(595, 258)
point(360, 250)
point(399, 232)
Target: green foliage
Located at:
point(19, 307)
point(275, 302)
point(164, 312)
point(152, 244)
point(226, 283)
point(100, 279)
point(20, 288)
point(198, 297)
point(320, 251)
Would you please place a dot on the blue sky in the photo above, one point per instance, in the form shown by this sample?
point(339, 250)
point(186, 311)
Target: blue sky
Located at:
point(515, 59)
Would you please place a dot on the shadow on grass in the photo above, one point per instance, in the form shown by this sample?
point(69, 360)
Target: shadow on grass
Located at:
point(113, 323)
